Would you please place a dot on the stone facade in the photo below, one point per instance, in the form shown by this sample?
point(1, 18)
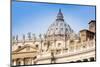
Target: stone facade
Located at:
point(60, 44)
point(92, 25)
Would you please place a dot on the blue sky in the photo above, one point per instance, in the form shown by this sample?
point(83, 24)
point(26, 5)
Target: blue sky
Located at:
point(37, 17)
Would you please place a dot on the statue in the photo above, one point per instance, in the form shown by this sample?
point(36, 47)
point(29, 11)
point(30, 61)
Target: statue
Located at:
point(34, 38)
point(29, 35)
point(45, 37)
point(40, 36)
point(16, 37)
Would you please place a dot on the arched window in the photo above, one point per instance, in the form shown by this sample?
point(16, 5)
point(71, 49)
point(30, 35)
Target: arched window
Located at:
point(62, 29)
point(56, 28)
point(19, 46)
point(18, 62)
point(37, 45)
point(34, 57)
point(85, 60)
point(92, 59)
point(84, 46)
point(58, 51)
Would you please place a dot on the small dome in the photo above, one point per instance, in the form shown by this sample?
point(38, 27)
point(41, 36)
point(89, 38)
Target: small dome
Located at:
point(59, 26)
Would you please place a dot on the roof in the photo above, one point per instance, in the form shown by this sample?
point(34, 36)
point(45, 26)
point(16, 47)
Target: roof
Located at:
point(23, 47)
point(92, 21)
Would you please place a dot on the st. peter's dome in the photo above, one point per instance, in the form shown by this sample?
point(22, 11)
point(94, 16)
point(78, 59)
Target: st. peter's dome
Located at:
point(59, 27)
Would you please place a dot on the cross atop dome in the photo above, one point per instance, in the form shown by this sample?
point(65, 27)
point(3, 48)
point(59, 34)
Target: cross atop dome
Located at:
point(60, 15)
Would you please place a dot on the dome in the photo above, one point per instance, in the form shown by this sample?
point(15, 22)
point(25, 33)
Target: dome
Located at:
point(59, 27)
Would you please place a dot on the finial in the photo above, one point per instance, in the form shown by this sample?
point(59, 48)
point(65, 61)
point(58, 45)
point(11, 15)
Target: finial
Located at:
point(60, 15)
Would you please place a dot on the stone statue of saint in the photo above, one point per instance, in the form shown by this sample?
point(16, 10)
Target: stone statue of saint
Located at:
point(29, 35)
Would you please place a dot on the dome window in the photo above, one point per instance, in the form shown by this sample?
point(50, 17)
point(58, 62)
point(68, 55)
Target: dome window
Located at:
point(61, 28)
point(66, 29)
point(56, 28)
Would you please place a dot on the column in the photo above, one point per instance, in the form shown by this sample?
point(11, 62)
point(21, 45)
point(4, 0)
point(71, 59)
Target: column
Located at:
point(61, 50)
point(32, 60)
